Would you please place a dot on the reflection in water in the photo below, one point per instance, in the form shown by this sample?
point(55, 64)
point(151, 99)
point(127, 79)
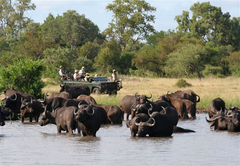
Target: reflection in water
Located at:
point(31, 144)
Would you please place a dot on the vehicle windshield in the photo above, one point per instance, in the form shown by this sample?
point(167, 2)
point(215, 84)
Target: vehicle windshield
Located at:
point(100, 79)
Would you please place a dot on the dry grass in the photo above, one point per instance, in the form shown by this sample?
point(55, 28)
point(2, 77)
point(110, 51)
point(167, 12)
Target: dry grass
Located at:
point(208, 89)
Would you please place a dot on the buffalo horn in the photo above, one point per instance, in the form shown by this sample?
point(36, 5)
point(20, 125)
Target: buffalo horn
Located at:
point(91, 113)
point(149, 96)
point(137, 123)
point(164, 110)
point(14, 98)
point(150, 109)
point(79, 103)
point(150, 124)
point(136, 95)
point(212, 119)
point(75, 112)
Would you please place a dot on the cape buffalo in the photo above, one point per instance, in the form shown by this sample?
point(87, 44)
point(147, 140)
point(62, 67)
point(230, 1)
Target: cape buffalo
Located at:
point(187, 94)
point(144, 108)
point(127, 102)
point(31, 109)
point(172, 113)
point(12, 100)
point(63, 117)
point(75, 90)
point(179, 104)
point(137, 119)
point(215, 106)
point(218, 121)
point(63, 94)
point(233, 121)
point(91, 119)
point(114, 113)
point(158, 125)
point(74, 102)
point(53, 103)
point(88, 99)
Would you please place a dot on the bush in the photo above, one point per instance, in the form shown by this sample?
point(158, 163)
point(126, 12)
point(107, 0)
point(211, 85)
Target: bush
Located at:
point(24, 75)
point(182, 83)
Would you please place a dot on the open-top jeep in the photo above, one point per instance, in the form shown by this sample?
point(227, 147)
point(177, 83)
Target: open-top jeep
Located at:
point(97, 85)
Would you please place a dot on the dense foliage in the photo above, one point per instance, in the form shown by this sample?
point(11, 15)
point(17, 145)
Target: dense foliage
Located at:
point(24, 75)
point(206, 44)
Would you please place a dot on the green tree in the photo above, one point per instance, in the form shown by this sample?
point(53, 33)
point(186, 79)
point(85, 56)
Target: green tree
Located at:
point(59, 57)
point(131, 23)
point(234, 63)
point(209, 24)
point(89, 50)
point(150, 59)
point(31, 43)
point(186, 61)
point(24, 75)
point(109, 57)
point(71, 30)
point(13, 19)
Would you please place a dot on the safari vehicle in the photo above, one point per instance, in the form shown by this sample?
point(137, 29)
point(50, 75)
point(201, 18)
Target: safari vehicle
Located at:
point(97, 85)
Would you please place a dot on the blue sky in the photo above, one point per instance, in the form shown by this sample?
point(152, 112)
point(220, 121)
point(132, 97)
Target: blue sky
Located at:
point(96, 12)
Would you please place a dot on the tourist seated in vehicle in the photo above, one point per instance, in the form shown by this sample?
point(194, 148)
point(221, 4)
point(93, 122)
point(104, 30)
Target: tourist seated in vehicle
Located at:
point(62, 74)
point(76, 76)
point(87, 77)
point(82, 73)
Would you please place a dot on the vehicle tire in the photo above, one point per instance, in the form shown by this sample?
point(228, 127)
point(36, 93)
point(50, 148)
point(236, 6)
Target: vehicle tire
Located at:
point(96, 91)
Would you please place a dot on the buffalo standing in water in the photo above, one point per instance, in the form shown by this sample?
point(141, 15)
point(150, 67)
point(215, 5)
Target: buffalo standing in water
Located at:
point(91, 119)
point(63, 117)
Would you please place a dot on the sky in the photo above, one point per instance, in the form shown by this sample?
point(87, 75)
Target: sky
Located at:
point(95, 10)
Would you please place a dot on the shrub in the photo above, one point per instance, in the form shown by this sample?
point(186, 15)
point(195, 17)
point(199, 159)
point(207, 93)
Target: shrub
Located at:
point(24, 75)
point(182, 83)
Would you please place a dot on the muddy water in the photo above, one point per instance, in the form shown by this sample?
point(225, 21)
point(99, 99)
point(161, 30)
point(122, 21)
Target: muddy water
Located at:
point(31, 144)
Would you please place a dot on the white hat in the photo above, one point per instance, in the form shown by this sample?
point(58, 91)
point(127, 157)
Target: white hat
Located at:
point(76, 71)
point(83, 67)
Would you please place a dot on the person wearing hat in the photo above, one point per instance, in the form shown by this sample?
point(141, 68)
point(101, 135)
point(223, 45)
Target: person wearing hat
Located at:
point(82, 72)
point(76, 75)
point(62, 74)
point(115, 78)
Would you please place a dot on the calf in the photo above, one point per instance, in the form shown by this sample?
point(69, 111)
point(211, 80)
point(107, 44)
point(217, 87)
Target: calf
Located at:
point(31, 109)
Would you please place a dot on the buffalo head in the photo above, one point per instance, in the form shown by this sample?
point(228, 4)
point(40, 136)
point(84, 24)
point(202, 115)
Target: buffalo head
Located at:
point(233, 120)
point(144, 127)
point(140, 99)
point(8, 100)
point(47, 117)
point(84, 111)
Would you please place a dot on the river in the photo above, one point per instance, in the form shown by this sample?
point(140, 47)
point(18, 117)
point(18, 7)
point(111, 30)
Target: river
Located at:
point(24, 144)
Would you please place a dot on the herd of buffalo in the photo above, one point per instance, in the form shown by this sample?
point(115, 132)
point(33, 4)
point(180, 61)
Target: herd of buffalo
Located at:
point(74, 109)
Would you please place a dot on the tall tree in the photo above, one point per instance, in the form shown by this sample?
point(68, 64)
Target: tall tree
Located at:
point(131, 22)
point(185, 61)
point(71, 29)
point(208, 23)
point(12, 16)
